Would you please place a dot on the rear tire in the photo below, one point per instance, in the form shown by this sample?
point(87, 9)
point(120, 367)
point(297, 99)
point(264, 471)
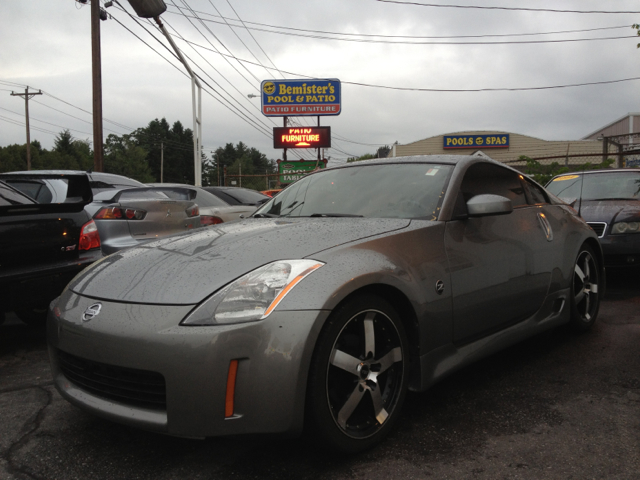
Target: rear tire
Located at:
point(359, 375)
point(586, 287)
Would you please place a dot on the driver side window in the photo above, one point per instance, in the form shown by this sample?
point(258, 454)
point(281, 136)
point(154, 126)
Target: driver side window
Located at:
point(487, 178)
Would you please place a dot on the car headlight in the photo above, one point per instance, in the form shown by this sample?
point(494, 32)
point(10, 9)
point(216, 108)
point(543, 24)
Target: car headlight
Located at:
point(253, 296)
point(626, 227)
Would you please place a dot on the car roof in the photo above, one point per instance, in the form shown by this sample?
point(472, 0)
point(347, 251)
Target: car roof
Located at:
point(92, 175)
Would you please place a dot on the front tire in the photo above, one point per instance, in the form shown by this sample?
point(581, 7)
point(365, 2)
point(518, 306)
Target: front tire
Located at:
point(359, 374)
point(586, 289)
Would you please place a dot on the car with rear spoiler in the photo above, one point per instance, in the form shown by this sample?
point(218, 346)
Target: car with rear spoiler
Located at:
point(43, 245)
point(131, 216)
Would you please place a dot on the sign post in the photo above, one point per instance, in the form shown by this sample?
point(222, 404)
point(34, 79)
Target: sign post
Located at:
point(300, 98)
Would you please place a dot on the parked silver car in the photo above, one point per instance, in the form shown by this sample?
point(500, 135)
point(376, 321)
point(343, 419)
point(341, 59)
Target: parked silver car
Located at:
point(351, 286)
point(213, 210)
point(128, 217)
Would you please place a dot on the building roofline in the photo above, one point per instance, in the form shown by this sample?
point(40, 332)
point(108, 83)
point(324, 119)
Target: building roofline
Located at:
point(630, 114)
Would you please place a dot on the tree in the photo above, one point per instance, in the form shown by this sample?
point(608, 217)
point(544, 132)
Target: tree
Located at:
point(637, 27)
point(382, 152)
point(124, 157)
point(177, 145)
point(238, 158)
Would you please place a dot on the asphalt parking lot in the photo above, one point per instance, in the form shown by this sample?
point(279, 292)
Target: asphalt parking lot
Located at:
point(559, 406)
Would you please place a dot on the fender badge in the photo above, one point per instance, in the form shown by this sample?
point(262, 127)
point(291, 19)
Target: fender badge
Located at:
point(91, 312)
point(439, 287)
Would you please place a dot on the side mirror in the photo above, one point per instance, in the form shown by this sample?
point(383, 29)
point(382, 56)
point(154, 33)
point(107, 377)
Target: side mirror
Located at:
point(483, 205)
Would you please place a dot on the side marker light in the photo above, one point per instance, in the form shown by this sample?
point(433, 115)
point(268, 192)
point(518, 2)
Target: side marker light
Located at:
point(231, 389)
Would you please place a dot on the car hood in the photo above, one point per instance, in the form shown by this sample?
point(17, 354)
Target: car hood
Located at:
point(609, 210)
point(184, 269)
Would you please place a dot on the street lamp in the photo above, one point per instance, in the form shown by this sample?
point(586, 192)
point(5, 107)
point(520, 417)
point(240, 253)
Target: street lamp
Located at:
point(153, 9)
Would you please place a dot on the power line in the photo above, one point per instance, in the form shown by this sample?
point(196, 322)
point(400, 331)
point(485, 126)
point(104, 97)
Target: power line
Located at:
point(521, 9)
point(424, 41)
point(449, 90)
point(304, 153)
point(237, 113)
point(418, 37)
point(20, 124)
point(220, 86)
point(195, 64)
point(224, 55)
point(48, 123)
point(180, 70)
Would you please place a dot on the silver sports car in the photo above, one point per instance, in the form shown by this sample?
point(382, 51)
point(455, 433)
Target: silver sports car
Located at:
point(351, 286)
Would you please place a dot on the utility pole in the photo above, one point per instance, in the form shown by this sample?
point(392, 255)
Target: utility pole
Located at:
point(161, 161)
point(27, 96)
point(98, 162)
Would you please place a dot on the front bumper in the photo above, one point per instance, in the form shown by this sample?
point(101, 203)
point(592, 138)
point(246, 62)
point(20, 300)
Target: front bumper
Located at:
point(38, 284)
point(273, 360)
point(621, 249)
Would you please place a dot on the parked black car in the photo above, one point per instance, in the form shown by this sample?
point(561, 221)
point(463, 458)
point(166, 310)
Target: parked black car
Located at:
point(43, 245)
point(98, 181)
point(609, 201)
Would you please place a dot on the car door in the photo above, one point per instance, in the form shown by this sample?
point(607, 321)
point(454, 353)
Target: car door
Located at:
point(499, 268)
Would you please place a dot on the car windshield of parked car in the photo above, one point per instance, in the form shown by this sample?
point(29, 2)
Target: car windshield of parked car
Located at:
point(598, 186)
point(409, 190)
point(611, 186)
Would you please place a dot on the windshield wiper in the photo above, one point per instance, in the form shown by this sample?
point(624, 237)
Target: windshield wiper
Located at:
point(335, 215)
point(265, 215)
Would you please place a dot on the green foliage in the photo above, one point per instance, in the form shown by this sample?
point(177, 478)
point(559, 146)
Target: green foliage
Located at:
point(543, 173)
point(637, 28)
point(138, 155)
point(237, 158)
point(68, 154)
point(382, 152)
point(177, 143)
point(123, 157)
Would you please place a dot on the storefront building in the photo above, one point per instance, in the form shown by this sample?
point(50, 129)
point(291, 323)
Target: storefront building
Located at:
point(617, 140)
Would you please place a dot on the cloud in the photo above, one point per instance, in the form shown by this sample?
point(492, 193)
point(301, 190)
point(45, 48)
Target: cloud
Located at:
point(47, 45)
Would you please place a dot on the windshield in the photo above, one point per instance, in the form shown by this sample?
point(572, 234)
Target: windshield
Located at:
point(376, 191)
point(598, 186)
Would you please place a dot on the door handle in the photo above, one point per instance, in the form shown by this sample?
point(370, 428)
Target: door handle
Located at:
point(546, 226)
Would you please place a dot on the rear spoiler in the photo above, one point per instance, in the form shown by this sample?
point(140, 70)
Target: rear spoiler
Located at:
point(78, 194)
point(186, 192)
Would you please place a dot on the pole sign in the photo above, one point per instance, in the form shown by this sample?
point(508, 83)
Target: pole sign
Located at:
point(495, 140)
point(298, 98)
point(290, 171)
point(302, 137)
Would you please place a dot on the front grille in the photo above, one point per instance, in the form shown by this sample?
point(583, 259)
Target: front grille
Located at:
point(139, 388)
point(598, 227)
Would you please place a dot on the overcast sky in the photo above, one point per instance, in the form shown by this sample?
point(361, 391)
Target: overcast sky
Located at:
point(46, 44)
